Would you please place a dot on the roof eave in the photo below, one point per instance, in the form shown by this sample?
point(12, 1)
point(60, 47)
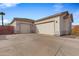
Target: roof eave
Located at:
point(52, 16)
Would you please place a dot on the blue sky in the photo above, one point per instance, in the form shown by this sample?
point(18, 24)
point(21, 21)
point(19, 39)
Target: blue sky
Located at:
point(37, 10)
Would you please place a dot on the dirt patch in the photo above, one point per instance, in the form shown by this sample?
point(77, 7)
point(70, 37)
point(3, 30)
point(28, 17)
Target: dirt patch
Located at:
point(71, 36)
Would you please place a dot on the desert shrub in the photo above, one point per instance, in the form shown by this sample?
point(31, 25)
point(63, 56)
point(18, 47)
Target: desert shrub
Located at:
point(75, 30)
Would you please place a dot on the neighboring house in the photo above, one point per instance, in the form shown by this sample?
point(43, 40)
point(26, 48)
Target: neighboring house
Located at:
point(58, 24)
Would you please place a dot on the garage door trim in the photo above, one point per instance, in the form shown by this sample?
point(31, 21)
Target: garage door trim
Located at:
point(25, 24)
point(44, 22)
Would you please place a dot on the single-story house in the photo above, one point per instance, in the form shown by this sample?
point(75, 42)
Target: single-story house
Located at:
point(58, 24)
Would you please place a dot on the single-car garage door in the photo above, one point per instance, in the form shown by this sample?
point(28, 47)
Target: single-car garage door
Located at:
point(46, 28)
point(25, 28)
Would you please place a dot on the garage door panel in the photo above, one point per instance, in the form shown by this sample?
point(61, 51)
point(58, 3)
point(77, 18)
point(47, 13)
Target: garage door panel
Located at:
point(47, 28)
point(25, 28)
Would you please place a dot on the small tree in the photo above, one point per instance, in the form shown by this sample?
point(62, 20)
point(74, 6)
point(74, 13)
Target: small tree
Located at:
point(2, 13)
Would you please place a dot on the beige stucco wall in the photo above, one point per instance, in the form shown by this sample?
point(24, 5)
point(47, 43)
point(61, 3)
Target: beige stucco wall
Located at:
point(62, 28)
point(14, 24)
point(65, 26)
point(68, 26)
point(57, 26)
point(53, 28)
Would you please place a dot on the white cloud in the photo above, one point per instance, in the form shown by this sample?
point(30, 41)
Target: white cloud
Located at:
point(76, 18)
point(76, 14)
point(75, 23)
point(6, 21)
point(58, 7)
point(5, 5)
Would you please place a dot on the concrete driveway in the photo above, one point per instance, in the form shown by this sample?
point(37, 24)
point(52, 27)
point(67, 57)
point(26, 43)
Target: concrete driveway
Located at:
point(37, 45)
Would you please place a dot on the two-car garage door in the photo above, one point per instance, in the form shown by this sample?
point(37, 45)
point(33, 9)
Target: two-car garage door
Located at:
point(46, 28)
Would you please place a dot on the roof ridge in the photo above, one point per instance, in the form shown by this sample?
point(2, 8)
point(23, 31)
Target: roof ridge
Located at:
point(22, 18)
